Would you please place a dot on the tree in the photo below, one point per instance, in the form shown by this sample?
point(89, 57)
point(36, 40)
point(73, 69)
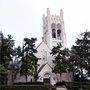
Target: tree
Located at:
point(14, 66)
point(60, 59)
point(29, 60)
point(80, 54)
point(3, 75)
point(6, 50)
point(77, 62)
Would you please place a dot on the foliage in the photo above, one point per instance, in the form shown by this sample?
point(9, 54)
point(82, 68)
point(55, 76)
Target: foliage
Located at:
point(29, 83)
point(80, 55)
point(60, 59)
point(28, 59)
point(6, 52)
point(77, 86)
point(11, 58)
point(60, 84)
point(18, 59)
point(3, 75)
point(25, 87)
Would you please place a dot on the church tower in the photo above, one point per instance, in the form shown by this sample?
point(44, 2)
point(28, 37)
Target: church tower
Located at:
point(53, 29)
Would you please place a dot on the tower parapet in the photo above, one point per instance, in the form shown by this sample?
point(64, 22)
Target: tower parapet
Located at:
point(53, 29)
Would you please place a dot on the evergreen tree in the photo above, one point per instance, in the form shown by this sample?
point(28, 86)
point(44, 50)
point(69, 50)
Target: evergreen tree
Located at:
point(60, 59)
point(80, 55)
point(6, 50)
point(29, 60)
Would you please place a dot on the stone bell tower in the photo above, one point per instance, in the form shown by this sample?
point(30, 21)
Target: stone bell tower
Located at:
point(53, 29)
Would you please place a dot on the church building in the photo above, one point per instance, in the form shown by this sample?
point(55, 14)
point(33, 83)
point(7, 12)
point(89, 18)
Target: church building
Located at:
point(53, 33)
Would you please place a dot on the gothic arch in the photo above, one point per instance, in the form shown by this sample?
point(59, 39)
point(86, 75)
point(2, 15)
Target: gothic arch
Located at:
point(58, 26)
point(47, 75)
point(53, 27)
point(58, 31)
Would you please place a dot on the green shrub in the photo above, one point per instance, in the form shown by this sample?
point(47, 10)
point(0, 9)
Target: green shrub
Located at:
point(53, 88)
point(29, 83)
point(76, 85)
point(24, 87)
point(86, 87)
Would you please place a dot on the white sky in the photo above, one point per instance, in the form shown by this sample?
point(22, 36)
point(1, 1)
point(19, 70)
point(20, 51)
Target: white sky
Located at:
point(23, 18)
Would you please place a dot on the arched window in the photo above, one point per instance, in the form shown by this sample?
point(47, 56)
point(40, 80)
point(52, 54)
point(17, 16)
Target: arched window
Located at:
point(59, 26)
point(53, 27)
point(58, 31)
point(53, 33)
point(46, 75)
point(58, 34)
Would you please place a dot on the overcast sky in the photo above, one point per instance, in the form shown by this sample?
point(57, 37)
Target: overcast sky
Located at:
point(23, 18)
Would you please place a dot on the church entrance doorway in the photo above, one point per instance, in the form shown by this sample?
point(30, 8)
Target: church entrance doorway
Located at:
point(47, 78)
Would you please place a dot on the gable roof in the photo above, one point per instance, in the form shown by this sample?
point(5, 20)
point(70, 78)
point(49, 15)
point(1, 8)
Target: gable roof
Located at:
point(41, 68)
point(38, 45)
point(44, 44)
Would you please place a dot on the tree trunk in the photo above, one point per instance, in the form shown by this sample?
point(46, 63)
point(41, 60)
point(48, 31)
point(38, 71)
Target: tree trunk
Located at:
point(73, 74)
point(88, 66)
point(26, 78)
point(35, 73)
point(60, 77)
point(12, 78)
point(12, 70)
point(35, 77)
point(57, 78)
point(81, 77)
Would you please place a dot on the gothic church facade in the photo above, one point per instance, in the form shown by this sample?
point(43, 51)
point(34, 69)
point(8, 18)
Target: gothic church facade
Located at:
point(53, 33)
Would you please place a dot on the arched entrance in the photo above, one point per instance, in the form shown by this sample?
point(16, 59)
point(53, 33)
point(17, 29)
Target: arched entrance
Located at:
point(46, 78)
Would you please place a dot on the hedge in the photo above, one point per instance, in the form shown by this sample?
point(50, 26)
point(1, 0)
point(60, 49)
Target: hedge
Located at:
point(76, 85)
point(29, 83)
point(26, 87)
point(86, 87)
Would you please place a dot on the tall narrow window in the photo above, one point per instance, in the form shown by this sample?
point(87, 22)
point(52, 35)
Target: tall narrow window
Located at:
point(53, 27)
point(45, 55)
point(53, 33)
point(58, 31)
point(58, 34)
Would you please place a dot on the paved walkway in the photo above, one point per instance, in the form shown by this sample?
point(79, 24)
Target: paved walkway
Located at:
point(59, 88)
